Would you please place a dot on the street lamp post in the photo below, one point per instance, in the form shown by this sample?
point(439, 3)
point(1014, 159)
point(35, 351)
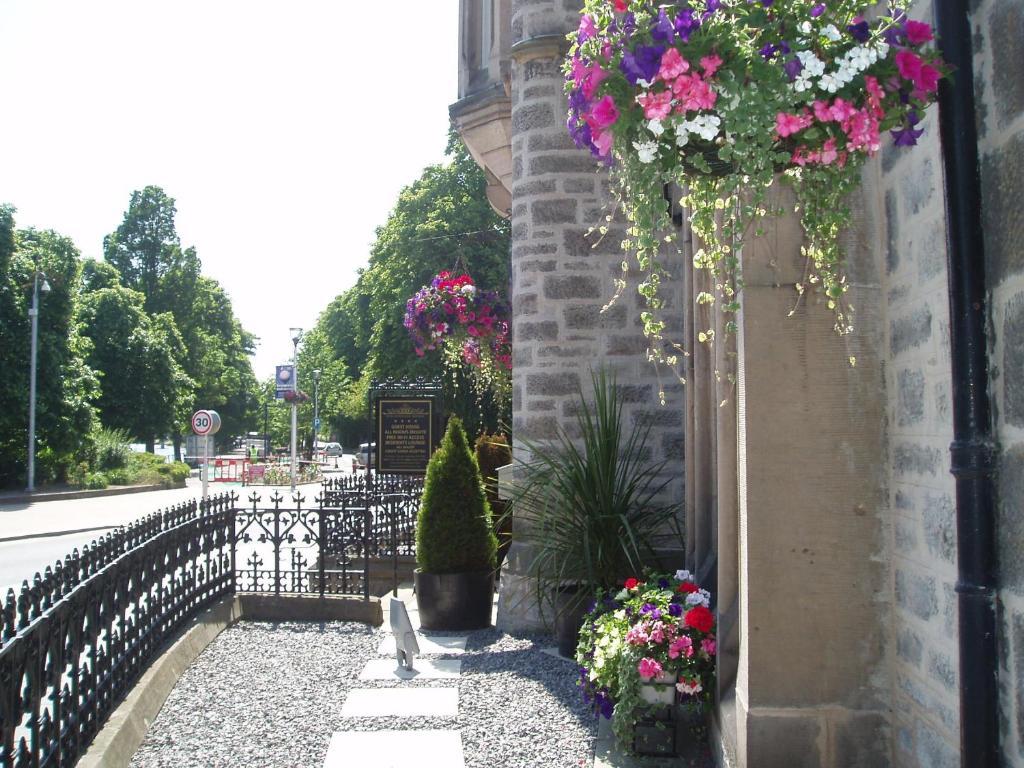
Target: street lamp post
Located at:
point(296, 338)
point(34, 314)
point(266, 432)
point(316, 408)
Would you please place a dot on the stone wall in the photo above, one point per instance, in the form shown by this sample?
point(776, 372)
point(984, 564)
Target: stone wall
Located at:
point(921, 490)
point(561, 277)
point(999, 88)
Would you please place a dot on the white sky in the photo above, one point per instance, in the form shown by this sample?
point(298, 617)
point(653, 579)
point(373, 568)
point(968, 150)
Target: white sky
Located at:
point(284, 131)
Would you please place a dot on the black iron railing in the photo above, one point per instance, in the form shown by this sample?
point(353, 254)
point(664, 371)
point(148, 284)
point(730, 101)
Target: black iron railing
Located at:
point(76, 639)
point(393, 502)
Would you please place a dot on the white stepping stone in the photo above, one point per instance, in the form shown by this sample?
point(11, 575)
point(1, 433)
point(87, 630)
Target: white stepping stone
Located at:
point(435, 645)
point(395, 749)
point(423, 669)
point(401, 702)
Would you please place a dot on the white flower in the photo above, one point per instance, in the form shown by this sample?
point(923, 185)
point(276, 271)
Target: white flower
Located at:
point(829, 83)
point(643, 83)
point(683, 575)
point(813, 66)
point(801, 84)
point(882, 49)
point(706, 126)
point(688, 689)
point(682, 135)
point(694, 598)
point(805, 27)
point(469, 290)
point(655, 127)
point(831, 32)
point(646, 151)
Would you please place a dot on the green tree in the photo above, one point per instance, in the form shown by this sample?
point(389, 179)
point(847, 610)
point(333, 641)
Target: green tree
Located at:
point(442, 221)
point(143, 389)
point(215, 350)
point(65, 385)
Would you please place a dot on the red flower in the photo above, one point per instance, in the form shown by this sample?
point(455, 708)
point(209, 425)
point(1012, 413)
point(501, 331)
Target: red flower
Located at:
point(687, 587)
point(700, 618)
point(631, 583)
point(621, 5)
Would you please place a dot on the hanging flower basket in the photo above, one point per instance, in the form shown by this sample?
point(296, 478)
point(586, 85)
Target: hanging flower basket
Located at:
point(469, 326)
point(722, 96)
point(297, 397)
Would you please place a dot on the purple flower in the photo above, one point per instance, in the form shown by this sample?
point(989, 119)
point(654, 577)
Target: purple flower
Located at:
point(662, 29)
point(629, 24)
point(655, 614)
point(675, 609)
point(663, 583)
point(768, 51)
point(647, 608)
point(587, 28)
point(817, 10)
point(642, 64)
point(906, 137)
point(714, 5)
point(686, 23)
point(859, 31)
point(784, 48)
point(792, 68)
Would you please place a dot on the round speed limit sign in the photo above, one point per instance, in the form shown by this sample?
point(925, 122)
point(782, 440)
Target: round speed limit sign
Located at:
point(205, 423)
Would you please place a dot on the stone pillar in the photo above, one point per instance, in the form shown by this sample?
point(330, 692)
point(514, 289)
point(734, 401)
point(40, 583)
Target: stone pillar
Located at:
point(812, 680)
point(561, 278)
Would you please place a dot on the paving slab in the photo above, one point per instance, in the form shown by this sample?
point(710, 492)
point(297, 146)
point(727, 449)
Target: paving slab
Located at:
point(401, 702)
point(435, 645)
point(423, 669)
point(395, 749)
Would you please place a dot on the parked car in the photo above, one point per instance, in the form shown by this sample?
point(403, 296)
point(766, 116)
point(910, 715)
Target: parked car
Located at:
point(367, 454)
point(332, 449)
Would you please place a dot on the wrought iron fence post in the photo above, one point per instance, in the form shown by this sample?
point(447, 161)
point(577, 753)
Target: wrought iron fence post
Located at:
point(367, 521)
point(322, 533)
point(393, 522)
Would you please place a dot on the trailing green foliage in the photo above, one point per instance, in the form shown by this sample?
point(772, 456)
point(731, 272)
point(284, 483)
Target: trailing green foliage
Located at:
point(453, 530)
point(592, 498)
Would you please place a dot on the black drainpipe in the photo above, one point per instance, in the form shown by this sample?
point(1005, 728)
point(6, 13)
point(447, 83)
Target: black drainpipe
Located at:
point(973, 449)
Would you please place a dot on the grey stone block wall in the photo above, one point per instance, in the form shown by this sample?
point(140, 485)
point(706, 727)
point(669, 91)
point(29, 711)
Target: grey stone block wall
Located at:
point(924, 683)
point(999, 87)
point(561, 277)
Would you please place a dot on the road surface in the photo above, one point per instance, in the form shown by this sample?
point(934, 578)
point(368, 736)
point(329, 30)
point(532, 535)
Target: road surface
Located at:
point(21, 560)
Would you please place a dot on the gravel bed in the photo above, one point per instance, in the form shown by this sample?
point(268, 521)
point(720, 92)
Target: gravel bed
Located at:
point(270, 694)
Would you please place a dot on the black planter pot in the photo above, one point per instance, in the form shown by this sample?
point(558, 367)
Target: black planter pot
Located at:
point(570, 608)
point(454, 600)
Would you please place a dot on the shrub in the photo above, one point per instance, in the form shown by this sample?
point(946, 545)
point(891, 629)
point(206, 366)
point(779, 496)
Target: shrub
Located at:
point(112, 448)
point(95, 481)
point(454, 533)
point(120, 476)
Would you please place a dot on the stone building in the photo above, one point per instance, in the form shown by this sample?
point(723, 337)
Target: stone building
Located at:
point(819, 500)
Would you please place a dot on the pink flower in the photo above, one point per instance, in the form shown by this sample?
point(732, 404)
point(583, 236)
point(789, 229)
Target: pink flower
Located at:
point(604, 113)
point(621, 5)
point(908, 64)
point(928, 79)
point(603, 141)
point(862, 132)
point(918, 32)
point(588, 27)
point(710, 64)
point(875, 96)
point(648, 668)
point(681, 645)
point(822, 111)
point(787, 125)
point(693, 93)
point(637, 636)
point(828, 152)
point(709, 645)
point(672, 65)
point(657, 106)
point(595, 75)
point(658, 633)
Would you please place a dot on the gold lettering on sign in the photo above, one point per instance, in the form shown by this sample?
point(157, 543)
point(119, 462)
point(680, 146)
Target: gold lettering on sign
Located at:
point(404, 435)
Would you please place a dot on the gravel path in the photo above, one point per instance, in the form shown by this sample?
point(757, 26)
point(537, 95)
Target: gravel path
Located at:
point(270, 695)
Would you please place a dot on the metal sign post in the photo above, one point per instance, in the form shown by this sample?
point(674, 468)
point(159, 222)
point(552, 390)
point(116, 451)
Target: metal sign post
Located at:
point(206, 424)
